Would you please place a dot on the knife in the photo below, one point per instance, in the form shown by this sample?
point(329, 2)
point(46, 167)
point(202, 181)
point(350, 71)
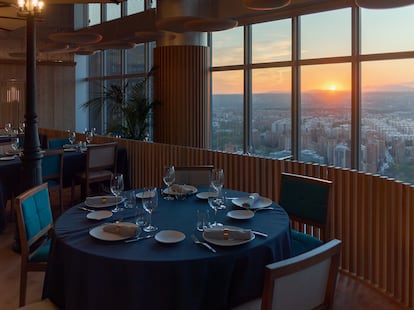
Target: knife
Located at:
point(138, 238)
point(259, 233)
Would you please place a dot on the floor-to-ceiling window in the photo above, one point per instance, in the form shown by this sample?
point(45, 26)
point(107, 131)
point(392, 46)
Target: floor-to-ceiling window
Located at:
point(260, 87)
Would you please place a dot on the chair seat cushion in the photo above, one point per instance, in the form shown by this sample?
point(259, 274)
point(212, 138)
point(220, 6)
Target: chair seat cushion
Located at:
point(42, 254)
point(302, 243)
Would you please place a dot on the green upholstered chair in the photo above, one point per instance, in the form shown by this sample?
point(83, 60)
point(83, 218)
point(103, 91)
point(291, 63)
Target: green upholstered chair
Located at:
point(57, 143)
point(52, 172)
point(35, 223)
point(306, 281)
point(307, 200)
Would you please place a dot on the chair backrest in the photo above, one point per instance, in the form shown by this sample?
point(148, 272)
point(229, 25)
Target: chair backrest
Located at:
point(307, 200)
point(52, 166)
point(57, 143)
point(193, 175)
point(102, 157)
point(306, 281)
point(34, 219)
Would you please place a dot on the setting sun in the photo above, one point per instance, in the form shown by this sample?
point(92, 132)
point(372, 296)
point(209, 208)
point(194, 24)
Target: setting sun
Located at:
point(332, 87)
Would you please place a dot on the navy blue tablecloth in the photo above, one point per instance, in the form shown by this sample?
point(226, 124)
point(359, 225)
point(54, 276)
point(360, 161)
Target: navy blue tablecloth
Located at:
point(86, 273)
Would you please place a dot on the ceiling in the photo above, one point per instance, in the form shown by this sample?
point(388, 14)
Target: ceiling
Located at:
point(58, 41)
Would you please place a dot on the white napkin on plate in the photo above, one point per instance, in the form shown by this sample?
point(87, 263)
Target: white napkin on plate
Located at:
point(181, 189)
point(227, 233)
point(252, 199)
point(122, 229)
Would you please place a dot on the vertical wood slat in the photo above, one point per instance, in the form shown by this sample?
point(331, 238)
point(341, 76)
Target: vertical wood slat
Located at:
point(372, 215)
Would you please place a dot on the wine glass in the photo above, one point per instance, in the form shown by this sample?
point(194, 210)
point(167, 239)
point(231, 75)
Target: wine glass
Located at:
point(168, 178)
point(150, 203)
point(117, 186)
point(72, 137)
point(8, 128)
point(216, 182)
point(88, 136)
point(216, 204)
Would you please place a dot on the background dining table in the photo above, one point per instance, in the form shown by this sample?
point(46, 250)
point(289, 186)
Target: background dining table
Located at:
point(88, 273)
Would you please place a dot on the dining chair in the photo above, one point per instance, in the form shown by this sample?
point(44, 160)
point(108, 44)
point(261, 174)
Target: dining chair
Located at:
point(52, 172)
point(303, 282)
point(35, 224)
point(308, 201)
point(101, 161)
point(57, 143)
point(193, 175)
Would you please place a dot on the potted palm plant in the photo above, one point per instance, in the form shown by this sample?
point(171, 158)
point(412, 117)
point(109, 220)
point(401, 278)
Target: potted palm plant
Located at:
point(129, 106)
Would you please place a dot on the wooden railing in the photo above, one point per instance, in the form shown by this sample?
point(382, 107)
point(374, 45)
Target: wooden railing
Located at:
point(372, 215)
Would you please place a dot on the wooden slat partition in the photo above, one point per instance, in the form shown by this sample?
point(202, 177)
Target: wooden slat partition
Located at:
point(372, 215)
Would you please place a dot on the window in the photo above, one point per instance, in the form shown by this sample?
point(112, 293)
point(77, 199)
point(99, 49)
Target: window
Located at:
point(228, 47)
point(94, 13)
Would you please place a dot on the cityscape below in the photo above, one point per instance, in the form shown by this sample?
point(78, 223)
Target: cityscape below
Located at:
point(387, 129)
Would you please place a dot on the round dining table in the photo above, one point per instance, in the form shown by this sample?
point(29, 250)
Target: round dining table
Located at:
point(85, 272)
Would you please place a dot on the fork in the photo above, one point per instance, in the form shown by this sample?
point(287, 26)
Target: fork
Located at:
point(196, 241)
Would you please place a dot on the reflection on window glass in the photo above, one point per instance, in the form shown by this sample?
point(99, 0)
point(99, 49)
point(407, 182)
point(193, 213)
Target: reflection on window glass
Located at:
point(326, 34)
point(227, 111)
point(135, 59)
point(94, 13)
point(135, 6)
point(95, 65)
point(326, 115)
point(228, 47)
point(271, 113)
point(388, 30)
point(387, 130)
point(113, 11)
point(271, 41)
point(113, 62)
point(95, 112)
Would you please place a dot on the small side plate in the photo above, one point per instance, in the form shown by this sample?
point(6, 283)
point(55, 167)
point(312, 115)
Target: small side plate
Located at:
point(240, 214)
point(99, 215)
point(169, 236)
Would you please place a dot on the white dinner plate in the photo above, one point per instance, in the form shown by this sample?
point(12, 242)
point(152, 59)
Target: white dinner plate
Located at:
point(99, 215)
point(103, 201)
point(146, 194)
point(240, 214)
point(69, 150)
point(261, 202)
point(188, 190)
point(99, 233)
point(7, 158)
point(206, 195)
point(228, 242)
point(169, 236)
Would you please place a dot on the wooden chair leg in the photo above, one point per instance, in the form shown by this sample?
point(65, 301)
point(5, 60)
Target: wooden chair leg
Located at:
point(23, 285)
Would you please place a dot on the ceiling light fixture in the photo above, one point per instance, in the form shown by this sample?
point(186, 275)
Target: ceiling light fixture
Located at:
point(30, 7)
point(382, 4)
point(264, 5)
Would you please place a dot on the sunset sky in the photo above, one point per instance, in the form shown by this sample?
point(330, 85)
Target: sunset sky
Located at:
point(325, 34)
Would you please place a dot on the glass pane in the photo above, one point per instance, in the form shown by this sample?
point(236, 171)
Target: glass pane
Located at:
point(387, 132)
point(113, 62)
point(95, 65)
point(135, 6)
point(388, 30)
point(135, 59)
point(94, 13)
point(95, 112)
point(326, 34)
point(227, 111)
point(113, 115)
point(272, 41)
point(326, 114)
point(113, 11)
point(271, 113)
point(228, 47)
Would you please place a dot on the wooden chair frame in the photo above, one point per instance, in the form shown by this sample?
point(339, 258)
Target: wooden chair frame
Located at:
point(58, 177)
point(275, 271)
point(30, 247)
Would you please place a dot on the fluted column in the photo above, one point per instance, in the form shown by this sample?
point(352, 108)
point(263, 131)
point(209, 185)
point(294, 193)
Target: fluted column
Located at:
point(181, 85)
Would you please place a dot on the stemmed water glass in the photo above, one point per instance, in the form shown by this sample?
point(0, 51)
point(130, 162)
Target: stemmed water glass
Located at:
point(150, 203)
point(117, 187)
point(8, 128)
point(168, 178)
point(215, 204)
point(88, 136)
point(72, 136)
point(217, 182)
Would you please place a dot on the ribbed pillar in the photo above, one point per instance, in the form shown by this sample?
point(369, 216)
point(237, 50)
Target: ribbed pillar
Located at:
point(181, 85)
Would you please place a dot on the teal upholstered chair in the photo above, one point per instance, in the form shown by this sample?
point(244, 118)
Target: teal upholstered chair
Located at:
point(57, 143)
point(307, 200)
point(52, 172)
point(35, 222)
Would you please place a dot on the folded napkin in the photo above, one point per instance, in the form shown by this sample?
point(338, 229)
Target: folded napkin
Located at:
point(181, 189)
point(122, 229)
point(227, 233)
point(101, 200)
point(253, 198)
